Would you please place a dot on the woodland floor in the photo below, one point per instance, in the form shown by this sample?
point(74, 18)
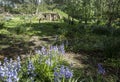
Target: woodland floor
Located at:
point(27, 48)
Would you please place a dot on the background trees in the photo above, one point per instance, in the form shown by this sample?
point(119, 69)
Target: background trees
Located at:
point(90, 9)
point(84, 9)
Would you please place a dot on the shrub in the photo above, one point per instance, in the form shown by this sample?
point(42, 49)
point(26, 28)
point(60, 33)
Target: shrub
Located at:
point(79, 28)
point(56, 26)
point(116, 32)
point(101, 30)
point(1, 25)
point(111, 47)
point(73, 31)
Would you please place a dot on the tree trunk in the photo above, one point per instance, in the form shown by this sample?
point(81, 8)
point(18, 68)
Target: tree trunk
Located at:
point(37, 10)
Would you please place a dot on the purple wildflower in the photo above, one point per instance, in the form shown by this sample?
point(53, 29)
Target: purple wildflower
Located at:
point(5, 60)
point(43, 51)
point(38, 52)
point(31, 69)
point(56, 75)
point(62, 49)
point(15, 75)
point(18, 64)
point(68, 73)
point(2, 74)
point(9, 79)
point(48, 62)
point(63, 72)
point(55, 48)
point(101, 70)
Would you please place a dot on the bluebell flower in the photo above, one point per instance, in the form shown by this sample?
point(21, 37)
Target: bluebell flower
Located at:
point(18, 64)
point(55, 48)
point(9, 79)
point(15, 75)
point(101, 70)
point(38, 52)
point(31, 70)
point(43, 51)
point(56, 75)
point(63, 72)
point(2, 73)
point(51, 48)
point(18, 58)
point(49, 62)
point(68, 73)
point(5, 60)
point(30, 67)
point(62, 49)
point(56, 79)
point(11, 60)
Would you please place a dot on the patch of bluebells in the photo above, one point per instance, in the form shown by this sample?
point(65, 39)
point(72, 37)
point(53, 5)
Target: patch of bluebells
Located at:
point(9, 71)
point(62, 72)
point(56, 49)
point(52, 52)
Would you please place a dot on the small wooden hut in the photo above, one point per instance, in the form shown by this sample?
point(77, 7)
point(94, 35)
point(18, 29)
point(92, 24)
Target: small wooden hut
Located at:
point(51, 16)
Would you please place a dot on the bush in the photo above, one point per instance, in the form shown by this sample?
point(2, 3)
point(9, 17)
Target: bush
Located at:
point(71, 32)
point(80, 29)
point(116, 32)
point(101, 30)
point(112, 47)
point(85, 43)
point(1, 25)
point(56, 26)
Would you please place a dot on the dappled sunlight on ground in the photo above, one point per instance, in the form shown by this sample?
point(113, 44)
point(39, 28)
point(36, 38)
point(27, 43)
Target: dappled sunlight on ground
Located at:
point(71, 59)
